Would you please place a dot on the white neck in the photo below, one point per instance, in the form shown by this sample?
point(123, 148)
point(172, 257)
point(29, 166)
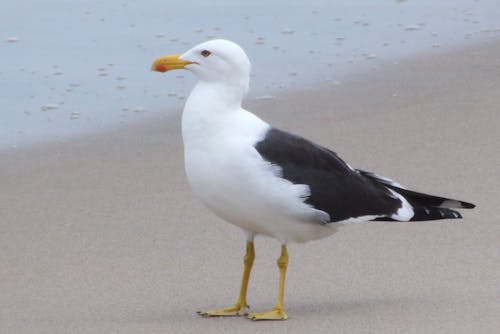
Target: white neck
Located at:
point(219, 96)
point(206, 106)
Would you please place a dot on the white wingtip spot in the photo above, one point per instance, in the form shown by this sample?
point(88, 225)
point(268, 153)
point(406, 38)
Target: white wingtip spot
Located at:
point(405, 212)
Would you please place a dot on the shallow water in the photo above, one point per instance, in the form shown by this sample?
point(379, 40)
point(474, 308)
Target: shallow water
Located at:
point(74, 67)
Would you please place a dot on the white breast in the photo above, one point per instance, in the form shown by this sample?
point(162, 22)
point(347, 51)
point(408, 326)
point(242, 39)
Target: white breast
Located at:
point(230, 177)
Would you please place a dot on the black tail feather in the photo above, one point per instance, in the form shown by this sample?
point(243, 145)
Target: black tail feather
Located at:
point(420, 199)
point(429, 213)
point(417, 199)
point(425, 206)
point(423, 213)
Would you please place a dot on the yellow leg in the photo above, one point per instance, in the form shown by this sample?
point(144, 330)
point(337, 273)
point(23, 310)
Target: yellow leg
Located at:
point(278, 313)
point(240, 308)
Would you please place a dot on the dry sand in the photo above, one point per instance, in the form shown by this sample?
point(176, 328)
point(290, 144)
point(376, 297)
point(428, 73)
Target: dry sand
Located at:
point(101, 234)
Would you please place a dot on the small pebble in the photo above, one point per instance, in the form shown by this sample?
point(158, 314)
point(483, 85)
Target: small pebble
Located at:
point(412, 28)
point(139, 109)
point(264, 97)
point(50, 107)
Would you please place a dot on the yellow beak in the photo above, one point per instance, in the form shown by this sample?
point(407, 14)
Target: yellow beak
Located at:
point(168, 63)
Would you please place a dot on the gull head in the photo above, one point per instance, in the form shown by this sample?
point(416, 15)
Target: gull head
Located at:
point(216, 61)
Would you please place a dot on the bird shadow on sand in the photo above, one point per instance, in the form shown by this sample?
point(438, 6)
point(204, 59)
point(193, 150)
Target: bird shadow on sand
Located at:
point(296, 309)
point(358, 306)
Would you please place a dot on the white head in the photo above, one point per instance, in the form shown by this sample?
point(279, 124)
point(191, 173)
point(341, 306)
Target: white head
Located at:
point(217, 61)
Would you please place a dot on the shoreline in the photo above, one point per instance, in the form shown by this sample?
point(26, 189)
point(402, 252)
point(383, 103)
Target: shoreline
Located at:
point(69, 90)
point(101, 233)
point(368, 72)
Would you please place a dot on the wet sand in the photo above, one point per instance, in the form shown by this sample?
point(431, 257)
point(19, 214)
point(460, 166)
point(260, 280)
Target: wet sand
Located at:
point(102, 235)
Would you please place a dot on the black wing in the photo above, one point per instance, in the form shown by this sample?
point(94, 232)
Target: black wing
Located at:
point(335, 187)
point(343, 192)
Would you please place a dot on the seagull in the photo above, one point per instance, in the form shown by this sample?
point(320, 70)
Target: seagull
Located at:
point(270, 182)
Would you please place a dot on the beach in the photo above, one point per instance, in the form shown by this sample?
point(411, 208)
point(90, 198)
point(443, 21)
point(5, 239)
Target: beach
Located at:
point(101, 234)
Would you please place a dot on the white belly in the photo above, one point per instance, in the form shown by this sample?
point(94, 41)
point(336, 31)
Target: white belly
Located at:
point(240, 187)
point(230, 177)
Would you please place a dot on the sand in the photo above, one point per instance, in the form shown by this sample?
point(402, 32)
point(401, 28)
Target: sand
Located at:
point(101, 234)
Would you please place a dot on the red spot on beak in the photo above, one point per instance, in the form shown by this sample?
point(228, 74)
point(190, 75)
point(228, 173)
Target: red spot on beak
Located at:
point(161, 68)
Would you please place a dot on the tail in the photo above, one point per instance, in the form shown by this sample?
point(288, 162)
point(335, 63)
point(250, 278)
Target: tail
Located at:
point(425, 207)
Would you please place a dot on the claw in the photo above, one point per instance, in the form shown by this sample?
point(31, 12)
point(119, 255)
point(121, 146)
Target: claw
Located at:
point(276, 314)
point(225, 312)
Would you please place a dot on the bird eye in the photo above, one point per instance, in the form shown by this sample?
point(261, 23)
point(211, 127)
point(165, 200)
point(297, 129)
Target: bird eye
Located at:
point(206, 53)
